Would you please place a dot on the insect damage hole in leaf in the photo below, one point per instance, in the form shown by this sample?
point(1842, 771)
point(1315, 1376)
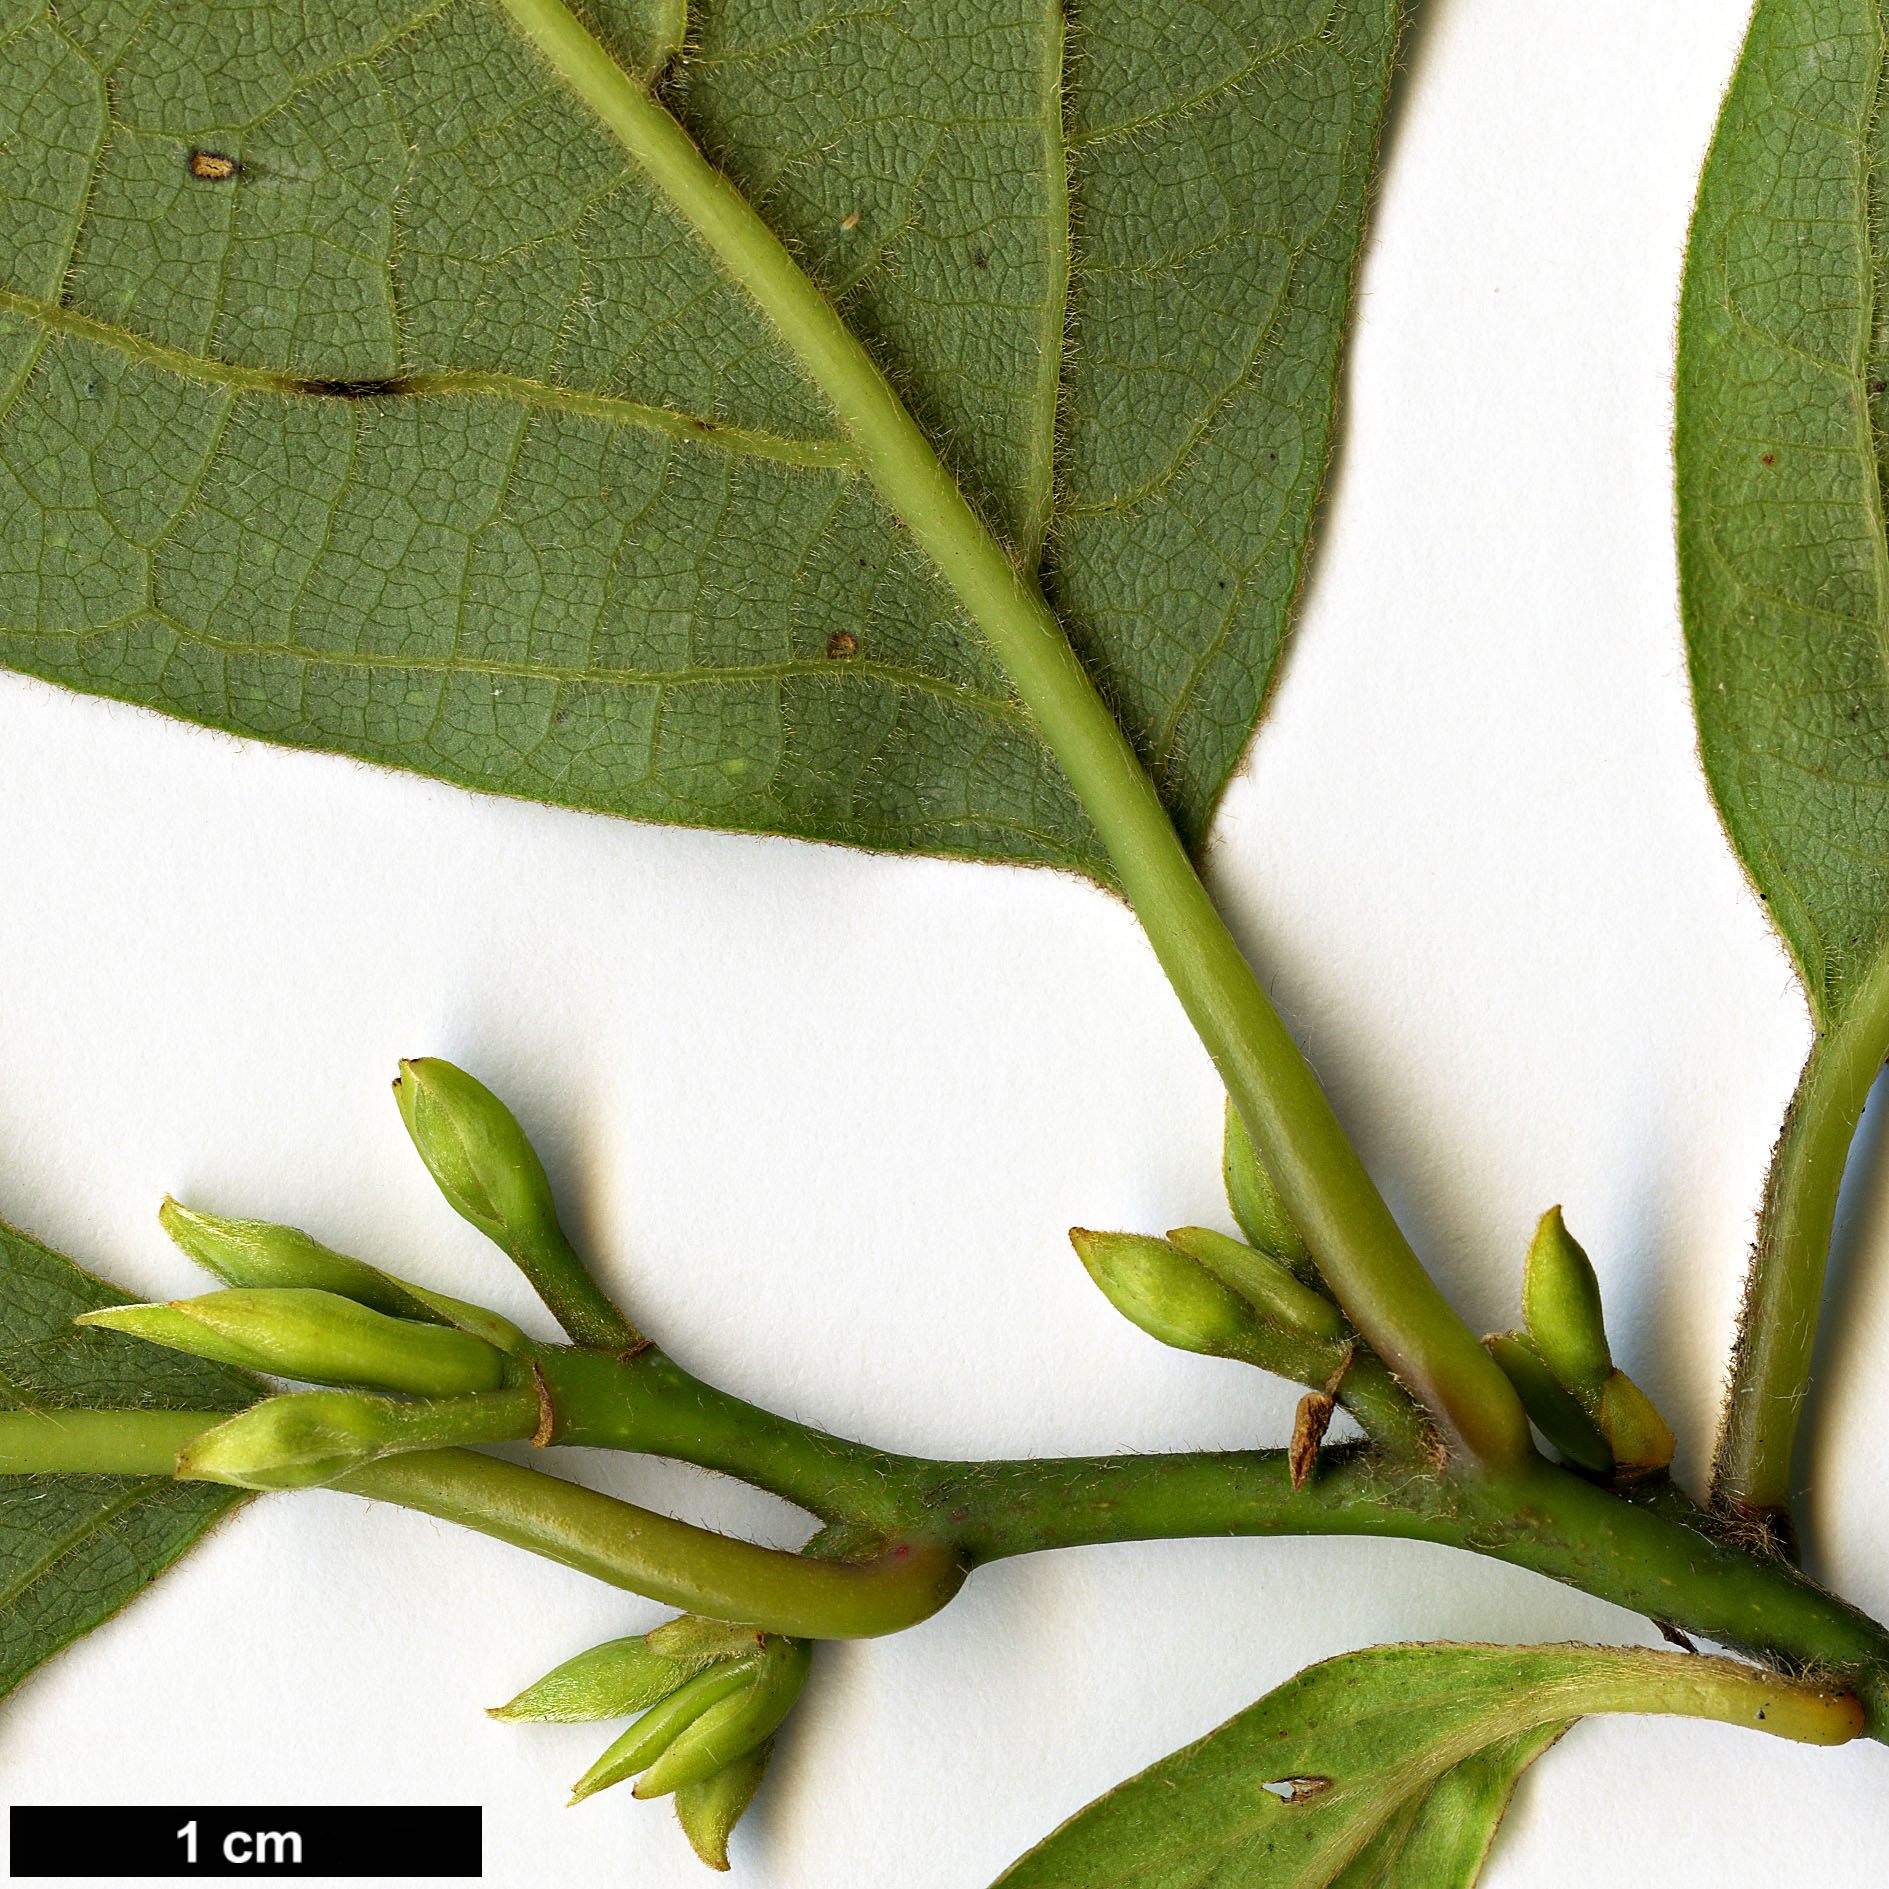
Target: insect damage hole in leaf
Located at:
point(706, 753)
point(495, 235)
point(1297, 1790)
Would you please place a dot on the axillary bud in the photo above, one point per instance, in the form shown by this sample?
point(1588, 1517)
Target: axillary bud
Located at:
point(1561, 1307)
point(709, 1811)
point(475, 1150)
point(261, 1254)
point(1257, 1208)
point(317, 1336)
point(1552, 1407)
point(608, 1681)
point(708, 1724)
point(1265, 1283)
point(308, 1438)
point(1642, 1439)
point(1167, 1292)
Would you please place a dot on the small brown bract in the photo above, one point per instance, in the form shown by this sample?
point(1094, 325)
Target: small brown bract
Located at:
point(1309, 1425)
point(212, 166)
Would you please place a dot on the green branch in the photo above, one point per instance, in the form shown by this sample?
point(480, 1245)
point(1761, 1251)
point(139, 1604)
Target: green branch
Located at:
point(1360, 1248)
point(617, 1542)
point(1654, 1556)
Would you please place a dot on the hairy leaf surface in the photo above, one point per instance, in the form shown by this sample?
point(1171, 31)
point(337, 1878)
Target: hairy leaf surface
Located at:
point(1782, 383)
point(357, 393)
point(1384, 1769)
point(74, 1549)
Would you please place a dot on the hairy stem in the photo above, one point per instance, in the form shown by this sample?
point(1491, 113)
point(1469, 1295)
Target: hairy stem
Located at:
point(1360, 1248)
point(1777, 1327)
point(646, 1402)
point(1654, 1556)
point(629, 1547)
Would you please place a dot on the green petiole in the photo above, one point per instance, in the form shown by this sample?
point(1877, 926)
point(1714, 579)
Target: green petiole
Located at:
point(1777, 1327)
point(1359, 1247)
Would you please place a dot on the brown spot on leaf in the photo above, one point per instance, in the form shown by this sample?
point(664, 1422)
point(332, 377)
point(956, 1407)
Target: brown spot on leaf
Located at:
point(979, 260)
point(1767, 459)
point(212, 167)
point(1297, 1790)
point(842, 644)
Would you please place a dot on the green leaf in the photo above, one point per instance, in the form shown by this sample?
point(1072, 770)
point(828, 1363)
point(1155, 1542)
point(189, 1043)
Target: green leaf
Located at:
point(1441, 1839)
point(1384, 1769)
point(1783, 372)
point(1782, 393)
point(74, 1549)
point(356, 393)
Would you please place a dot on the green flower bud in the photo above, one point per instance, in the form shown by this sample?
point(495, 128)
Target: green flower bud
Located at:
point(258, 1253)
point(695, 1636)
point(1169, 1295)
point(497, 1331)
point(609, 1681)
point(1259, 1212)
point(709, 1811)
point(1552, 1408)
point(651, 1735)
point(474, 1148)
point(732, 1727)
point(1561, 1307)
point(1265, 1283)
point(1641, 1438)
point(261, 1254)
point(308, 1438)
point(318, 1336)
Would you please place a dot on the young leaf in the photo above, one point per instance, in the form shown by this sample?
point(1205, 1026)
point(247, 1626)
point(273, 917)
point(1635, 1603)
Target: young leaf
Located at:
point(1782, 377)
point(1441, 1839)
point(361, 395)
point(74, 1549)
point(1390, 1766)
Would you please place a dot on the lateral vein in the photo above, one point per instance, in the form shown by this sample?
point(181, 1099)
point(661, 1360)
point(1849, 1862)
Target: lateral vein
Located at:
point(822, 668)
point(611, 409)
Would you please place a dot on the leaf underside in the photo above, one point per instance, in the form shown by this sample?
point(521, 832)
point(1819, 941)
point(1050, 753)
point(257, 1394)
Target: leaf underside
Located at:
point(1783, 387)
point(74, 1549)
point(357, 394)
point(1384, 1769)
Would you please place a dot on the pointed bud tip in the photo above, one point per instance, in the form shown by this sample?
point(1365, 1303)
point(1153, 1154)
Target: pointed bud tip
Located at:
point(1561, 1306)
point(1166, 1292)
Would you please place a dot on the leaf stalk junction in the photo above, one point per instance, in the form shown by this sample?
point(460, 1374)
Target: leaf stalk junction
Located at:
point(1448, 1455)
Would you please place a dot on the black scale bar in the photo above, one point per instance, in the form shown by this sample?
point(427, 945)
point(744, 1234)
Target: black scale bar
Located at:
point(63, 1840)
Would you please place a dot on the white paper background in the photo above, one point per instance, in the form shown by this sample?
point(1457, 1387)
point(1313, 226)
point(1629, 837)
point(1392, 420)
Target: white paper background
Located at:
point(828, 1116)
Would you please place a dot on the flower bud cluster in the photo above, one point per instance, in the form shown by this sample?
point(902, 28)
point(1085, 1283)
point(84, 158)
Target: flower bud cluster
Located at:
point(710, 1695)
point(1563, 1370)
